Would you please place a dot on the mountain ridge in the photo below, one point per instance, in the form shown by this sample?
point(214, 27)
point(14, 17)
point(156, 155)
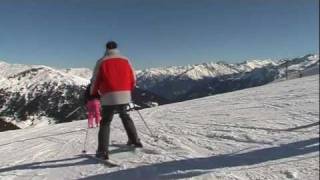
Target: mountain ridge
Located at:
point(37, 90)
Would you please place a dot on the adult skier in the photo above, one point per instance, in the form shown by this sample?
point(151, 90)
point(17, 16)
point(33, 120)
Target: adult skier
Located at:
point(114, 79)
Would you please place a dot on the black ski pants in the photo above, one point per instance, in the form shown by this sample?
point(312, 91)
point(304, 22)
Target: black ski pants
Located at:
point(104, 131)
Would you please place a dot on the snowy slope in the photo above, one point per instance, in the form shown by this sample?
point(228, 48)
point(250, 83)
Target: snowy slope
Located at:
point(81, 72)
point(267, 132)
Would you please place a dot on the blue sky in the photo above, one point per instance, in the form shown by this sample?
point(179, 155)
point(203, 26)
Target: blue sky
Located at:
point(154, 33)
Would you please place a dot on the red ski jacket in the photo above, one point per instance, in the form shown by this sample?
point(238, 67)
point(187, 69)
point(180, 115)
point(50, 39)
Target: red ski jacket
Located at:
point(113, 79)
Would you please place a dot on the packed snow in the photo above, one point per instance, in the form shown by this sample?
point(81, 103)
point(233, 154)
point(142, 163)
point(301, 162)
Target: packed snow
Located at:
point(31, 122)
point(267, 132)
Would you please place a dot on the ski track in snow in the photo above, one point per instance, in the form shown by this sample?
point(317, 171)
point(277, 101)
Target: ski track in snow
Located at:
point(267, 132)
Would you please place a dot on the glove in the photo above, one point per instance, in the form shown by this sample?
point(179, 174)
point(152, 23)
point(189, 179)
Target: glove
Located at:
point(131, 105)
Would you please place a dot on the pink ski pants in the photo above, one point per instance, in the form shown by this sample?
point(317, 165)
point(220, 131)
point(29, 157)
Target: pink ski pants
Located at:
point(93, 107)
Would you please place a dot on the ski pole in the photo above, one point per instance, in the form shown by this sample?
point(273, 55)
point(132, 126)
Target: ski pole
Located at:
point(85, 142)
point(145, 123)
point(73, 112)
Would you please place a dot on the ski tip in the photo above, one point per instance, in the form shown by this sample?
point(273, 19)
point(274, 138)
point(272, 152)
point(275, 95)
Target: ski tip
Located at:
point(108, 163)
point(111, 164)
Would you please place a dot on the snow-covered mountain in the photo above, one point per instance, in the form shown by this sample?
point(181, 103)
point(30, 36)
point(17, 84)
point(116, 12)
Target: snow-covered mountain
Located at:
point(267, 132)
point(192, 81)
point(30, 91)
point(81, 72)
point(307, 65)
point(39, 90)
point(201, 71)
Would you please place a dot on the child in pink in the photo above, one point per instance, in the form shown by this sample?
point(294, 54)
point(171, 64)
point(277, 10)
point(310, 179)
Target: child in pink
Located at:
point(93, 108)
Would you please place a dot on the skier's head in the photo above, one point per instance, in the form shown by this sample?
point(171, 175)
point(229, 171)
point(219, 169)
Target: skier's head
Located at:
point(111, 45)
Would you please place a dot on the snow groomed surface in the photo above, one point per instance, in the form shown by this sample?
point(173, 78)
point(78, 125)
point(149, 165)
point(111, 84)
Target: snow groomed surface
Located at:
point(267, 132)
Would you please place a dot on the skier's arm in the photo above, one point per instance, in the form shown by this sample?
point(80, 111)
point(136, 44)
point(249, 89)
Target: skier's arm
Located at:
point(96, 85)
point(133, 77)
point(95, 75)
point(96, 79)
point(86, 94)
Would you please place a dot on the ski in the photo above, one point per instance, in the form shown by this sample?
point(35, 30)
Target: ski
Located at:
point(107, 163)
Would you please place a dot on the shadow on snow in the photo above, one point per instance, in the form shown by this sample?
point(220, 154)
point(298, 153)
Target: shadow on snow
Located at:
point(270, 129)
point(42, 137)
point(77, 160)
point(188, 167)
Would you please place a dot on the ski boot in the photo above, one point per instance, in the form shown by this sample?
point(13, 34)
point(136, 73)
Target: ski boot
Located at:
point(102, 155)
point(137, 144)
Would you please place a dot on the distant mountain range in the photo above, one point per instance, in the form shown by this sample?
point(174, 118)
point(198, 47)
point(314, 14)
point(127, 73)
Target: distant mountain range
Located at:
point(194, 81)
point(35, 90)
